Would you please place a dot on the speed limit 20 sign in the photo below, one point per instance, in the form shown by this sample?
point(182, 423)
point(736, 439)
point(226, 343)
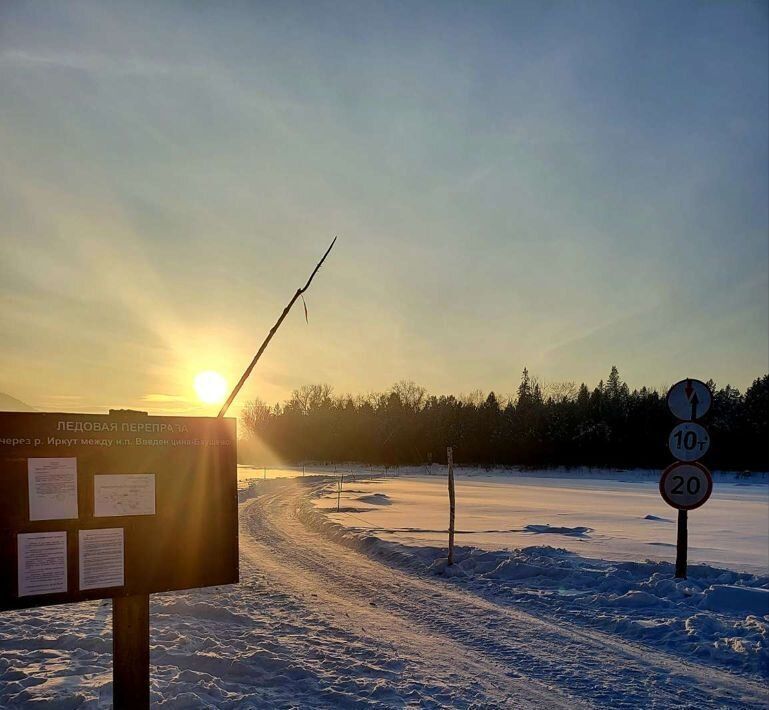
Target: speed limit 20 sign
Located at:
point(686, 486)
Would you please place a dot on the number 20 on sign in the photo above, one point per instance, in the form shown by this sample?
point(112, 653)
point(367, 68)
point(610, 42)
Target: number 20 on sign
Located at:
point(686, 486)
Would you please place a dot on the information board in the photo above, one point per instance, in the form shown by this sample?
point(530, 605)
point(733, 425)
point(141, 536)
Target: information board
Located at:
point(102, 506)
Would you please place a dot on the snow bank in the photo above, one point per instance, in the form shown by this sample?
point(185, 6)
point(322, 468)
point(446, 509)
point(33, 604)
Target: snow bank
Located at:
point(717, 615)
point(375, 499)
point(727, 597)
point(578, 531)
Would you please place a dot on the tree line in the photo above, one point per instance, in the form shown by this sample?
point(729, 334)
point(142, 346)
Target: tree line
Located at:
point(556, 424)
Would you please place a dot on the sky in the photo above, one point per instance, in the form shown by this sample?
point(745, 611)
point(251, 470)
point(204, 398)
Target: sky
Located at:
point(564, 186)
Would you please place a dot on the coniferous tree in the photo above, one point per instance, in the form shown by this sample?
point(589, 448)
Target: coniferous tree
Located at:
point(609, 426)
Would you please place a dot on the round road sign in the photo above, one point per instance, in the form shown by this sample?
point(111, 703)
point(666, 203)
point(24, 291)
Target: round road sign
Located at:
point(686, 485)
point(689, 399)
point(688, 441)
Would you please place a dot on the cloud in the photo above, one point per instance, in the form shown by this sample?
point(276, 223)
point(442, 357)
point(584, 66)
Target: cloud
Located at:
point(91, 63)
point(156, 397)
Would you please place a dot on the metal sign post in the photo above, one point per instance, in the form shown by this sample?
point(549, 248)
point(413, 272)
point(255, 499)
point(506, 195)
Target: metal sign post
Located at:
point(686, 484)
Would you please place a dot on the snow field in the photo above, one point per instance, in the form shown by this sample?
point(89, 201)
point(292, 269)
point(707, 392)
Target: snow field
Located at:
point(599, 551)
point(610, 514)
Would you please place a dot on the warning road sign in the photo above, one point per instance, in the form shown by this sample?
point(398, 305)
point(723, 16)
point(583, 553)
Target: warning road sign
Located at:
point(689, 399)
point(686, 485)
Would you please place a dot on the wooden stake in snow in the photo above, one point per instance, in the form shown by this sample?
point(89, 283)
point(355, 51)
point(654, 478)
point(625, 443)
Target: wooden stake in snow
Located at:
point(339, 492)
point(452, 502)
point(272, 332)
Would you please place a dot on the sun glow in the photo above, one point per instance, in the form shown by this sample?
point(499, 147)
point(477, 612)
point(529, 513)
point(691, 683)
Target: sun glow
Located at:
point(211, 387)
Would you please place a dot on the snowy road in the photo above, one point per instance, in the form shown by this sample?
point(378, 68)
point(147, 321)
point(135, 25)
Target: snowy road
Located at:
point(400, 638)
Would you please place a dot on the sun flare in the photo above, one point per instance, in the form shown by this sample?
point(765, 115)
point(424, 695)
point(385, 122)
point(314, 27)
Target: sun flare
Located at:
point(211, 387)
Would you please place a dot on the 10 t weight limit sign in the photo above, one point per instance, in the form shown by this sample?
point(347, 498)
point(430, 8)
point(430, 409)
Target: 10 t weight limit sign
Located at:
point(688, 441)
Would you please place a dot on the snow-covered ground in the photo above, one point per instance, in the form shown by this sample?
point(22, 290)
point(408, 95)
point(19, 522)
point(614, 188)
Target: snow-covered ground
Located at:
point(328, 616)
point(592, 546)
point(616, 515)
point(250, 473)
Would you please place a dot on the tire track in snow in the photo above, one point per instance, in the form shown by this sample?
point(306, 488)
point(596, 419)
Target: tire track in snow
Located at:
point(525, 658)
point(434, 670)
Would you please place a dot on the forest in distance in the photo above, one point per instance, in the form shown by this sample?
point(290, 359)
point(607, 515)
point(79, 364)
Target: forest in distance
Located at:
point(556, 424)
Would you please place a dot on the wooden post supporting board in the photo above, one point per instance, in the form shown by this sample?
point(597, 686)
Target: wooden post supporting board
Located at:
point(131, 652)
point(452, 503)
point(682, 543)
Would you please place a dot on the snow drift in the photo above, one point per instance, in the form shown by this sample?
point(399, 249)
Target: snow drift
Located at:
point(717, 615)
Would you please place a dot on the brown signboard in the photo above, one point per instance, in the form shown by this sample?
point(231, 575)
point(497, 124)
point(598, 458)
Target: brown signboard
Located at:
point(102, 506)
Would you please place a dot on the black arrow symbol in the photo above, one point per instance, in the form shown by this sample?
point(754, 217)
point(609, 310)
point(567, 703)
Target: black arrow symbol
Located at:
point(694, 401)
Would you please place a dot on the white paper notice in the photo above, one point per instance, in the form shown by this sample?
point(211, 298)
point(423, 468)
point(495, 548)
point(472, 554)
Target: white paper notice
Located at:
point(124, 494)
point(42, 563)
point(52, 488)
point(101, 558)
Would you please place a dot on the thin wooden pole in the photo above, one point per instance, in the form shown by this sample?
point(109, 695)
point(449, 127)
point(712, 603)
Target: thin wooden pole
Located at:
point(452, 502)
point(682, 543)
point(272, 332)
point(131, 652)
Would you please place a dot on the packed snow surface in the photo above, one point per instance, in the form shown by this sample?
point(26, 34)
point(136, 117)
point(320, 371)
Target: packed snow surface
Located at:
point(347, 615)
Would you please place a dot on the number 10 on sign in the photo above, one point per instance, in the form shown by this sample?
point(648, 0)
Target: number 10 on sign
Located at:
point(688, 441)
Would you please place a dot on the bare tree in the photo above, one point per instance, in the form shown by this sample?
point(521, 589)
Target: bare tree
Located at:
point(475, 398)
point(565, 391)
point(255, 415)
point(308, 398)
point(411, 395)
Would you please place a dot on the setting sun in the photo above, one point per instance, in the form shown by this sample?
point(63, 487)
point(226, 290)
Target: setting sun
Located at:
point(211, 387)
